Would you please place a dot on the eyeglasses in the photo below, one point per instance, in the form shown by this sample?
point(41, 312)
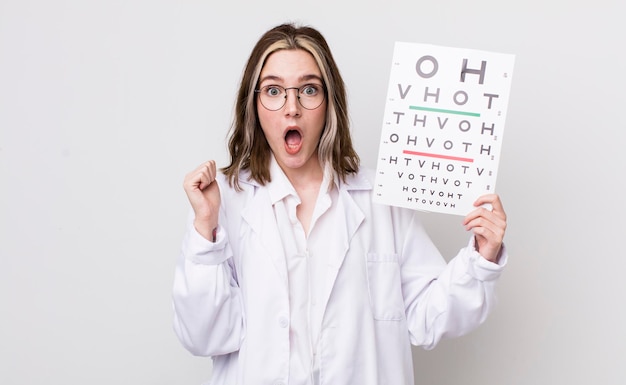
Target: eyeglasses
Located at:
point(310, 96)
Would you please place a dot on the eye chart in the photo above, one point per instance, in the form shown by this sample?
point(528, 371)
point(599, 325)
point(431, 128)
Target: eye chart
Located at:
point(442, 128)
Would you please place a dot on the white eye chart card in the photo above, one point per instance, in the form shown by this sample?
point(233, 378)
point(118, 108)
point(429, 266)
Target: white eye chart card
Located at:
point(442, 128)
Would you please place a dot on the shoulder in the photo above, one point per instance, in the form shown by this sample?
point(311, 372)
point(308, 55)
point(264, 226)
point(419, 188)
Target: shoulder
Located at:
point(360, 186)
point(236, 197)
point(244, 179)
point(363, 180)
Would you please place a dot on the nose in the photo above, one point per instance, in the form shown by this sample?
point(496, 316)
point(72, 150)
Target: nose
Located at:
point(292, 105)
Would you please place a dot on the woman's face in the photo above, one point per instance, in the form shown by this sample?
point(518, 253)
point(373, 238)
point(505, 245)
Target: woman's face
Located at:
point(293, 132)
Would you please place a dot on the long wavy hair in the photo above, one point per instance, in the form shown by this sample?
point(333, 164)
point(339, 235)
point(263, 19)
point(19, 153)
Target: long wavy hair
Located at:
point(247, 144)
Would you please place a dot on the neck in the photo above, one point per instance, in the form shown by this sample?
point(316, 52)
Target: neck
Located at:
point(306, 177)
point(306, 181)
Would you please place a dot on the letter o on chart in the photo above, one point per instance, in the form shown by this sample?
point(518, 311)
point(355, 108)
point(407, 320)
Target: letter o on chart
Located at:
point(433, 71)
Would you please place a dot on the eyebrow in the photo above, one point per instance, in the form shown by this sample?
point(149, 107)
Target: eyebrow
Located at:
point(301, 79)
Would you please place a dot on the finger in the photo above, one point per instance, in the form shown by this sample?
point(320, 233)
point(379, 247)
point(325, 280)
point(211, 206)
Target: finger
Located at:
point(474, 222)
point(209, 167)
point(210, 172)
point(204, 180)
point(485, 233)
point(492, 229)
point(201, 177)
point(478, 213)
point(494, 202)
point(491, 199)
point(481, 217)
point(484, 226)
point(196, 179)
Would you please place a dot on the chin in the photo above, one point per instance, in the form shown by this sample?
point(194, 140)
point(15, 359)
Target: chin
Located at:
point(294, 161)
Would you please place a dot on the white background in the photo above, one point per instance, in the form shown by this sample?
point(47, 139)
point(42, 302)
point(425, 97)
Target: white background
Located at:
point(105, 105)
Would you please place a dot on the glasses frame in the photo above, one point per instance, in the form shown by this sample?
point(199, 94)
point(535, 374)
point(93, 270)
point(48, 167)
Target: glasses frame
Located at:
point(298, 92)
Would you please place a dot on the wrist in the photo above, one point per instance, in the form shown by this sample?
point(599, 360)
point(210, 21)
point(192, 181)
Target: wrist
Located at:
point(207, 229)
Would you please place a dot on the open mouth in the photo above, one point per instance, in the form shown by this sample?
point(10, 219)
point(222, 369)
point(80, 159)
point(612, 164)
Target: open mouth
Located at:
point(293, 141)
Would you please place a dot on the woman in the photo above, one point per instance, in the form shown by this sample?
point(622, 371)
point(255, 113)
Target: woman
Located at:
point(289, 274)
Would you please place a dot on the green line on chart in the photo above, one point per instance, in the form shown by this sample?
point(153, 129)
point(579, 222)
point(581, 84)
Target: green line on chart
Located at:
point(444, 111)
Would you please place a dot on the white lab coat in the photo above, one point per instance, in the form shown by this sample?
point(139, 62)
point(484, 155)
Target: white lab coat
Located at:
point(387, 286)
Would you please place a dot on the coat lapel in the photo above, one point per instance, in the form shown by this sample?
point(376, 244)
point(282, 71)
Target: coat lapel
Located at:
point(259, 216)
point(348, 220)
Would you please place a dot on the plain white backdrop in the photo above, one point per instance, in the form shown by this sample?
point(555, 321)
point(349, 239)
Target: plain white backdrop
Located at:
point(105, 105)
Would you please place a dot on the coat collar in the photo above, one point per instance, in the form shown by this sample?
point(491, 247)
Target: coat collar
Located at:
point(353, 182)
point(280, 186)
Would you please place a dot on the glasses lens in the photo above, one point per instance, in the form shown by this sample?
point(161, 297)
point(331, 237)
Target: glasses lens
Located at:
point(311, 96)
point(273, 98)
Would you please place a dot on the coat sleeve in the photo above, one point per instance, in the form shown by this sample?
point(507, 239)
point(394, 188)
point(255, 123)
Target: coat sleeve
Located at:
point(208, 315)
point(444, 300)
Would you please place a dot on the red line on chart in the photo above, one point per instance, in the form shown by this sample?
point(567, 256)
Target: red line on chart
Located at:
point(438, 156)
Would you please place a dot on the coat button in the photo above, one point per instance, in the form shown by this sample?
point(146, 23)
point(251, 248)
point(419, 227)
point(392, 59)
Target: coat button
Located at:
point(283, 321)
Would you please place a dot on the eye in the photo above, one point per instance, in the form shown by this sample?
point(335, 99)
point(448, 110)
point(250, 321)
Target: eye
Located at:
point(273, 91)
point(310, 89)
